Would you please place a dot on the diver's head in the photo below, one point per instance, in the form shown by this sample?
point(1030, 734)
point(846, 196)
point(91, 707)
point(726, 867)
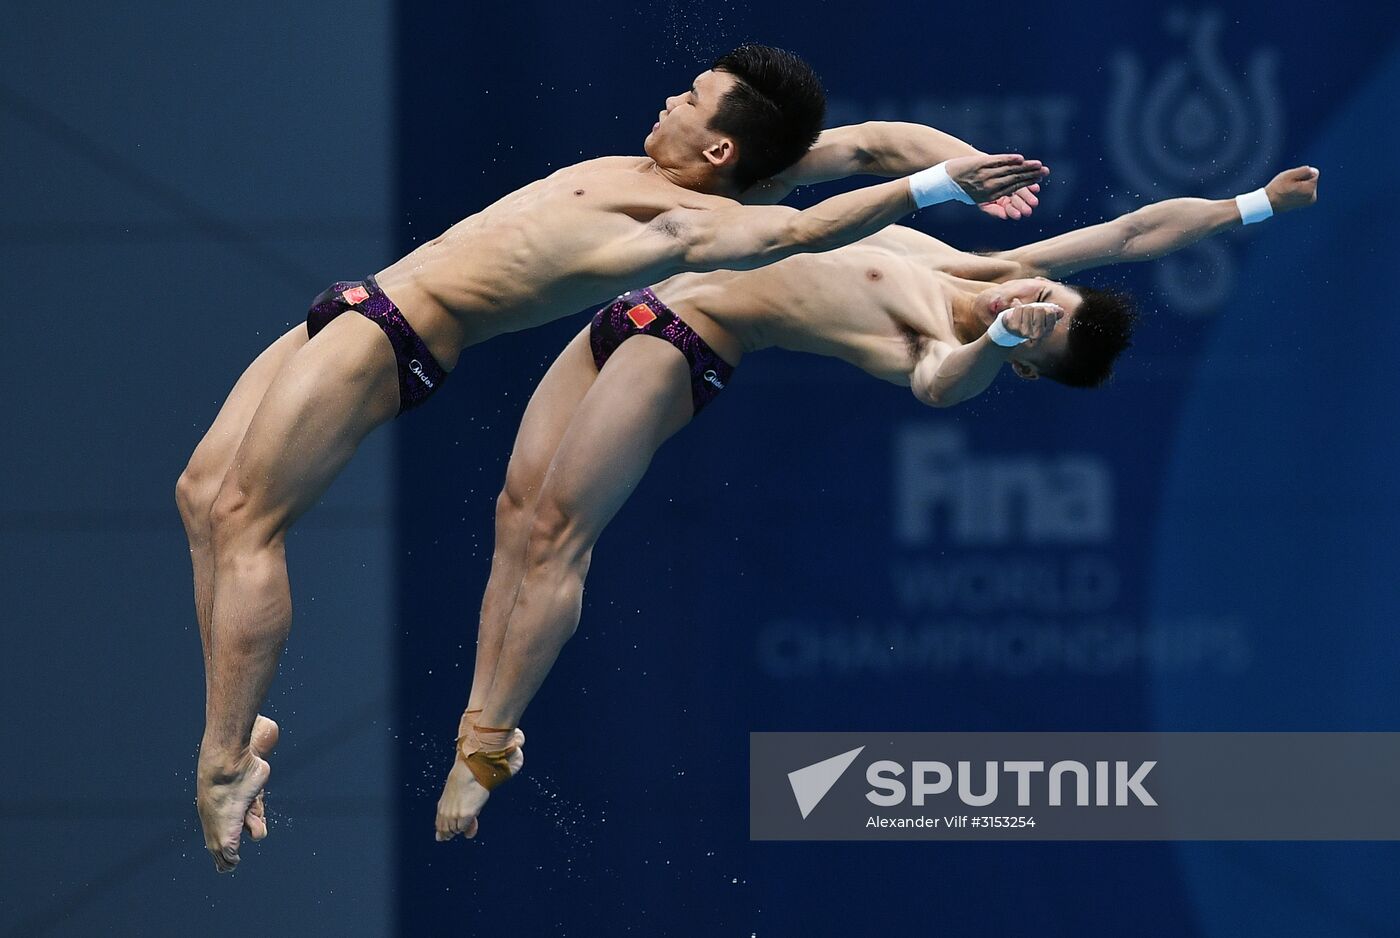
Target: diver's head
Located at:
point(753, 114)
point(1081, 349)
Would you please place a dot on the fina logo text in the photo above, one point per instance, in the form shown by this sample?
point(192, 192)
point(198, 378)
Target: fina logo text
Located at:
point(991, 500)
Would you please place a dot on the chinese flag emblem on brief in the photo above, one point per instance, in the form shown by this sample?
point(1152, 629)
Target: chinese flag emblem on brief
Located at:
point(355, 295)
point(640, 315)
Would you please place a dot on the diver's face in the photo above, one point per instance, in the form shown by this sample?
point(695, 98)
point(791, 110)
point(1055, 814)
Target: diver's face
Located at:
point(1032, 354)
point(682, 129)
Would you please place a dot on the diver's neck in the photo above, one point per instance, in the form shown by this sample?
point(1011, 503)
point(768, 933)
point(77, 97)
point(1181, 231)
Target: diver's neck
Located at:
point(696, 178)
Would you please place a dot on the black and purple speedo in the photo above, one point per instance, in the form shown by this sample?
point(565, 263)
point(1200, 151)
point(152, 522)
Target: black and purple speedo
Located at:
point(641, 313)
point(419, 372)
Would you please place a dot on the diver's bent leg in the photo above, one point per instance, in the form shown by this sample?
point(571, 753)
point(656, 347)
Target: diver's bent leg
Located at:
point(195, 491)
point(199, 482)
point(333, 393)
point(546, 418)
point(640, 398)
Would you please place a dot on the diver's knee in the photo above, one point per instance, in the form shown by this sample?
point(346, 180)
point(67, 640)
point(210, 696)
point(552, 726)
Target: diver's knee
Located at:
point(556, 535)
point(195, 492)
point(512, 508)
point(236, 521)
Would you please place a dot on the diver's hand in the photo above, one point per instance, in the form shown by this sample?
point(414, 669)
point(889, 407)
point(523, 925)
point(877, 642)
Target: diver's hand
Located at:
point(988, 178)
point(1015, 206)
point(1293, 188)
point(1031, 321)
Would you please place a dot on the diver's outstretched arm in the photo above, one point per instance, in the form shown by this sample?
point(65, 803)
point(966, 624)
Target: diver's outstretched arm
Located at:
point(1157, 229)
point(881, 148)
point(744, 237)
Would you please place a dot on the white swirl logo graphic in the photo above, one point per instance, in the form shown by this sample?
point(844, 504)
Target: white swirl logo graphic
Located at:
point(1196, 125)
point(1195, 129)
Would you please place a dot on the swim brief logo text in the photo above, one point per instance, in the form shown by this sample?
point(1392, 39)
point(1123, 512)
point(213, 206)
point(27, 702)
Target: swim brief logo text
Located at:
point(713, 378)
point(416, 367)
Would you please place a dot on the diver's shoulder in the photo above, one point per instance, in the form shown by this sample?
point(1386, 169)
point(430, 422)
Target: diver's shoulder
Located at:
point(609, 163)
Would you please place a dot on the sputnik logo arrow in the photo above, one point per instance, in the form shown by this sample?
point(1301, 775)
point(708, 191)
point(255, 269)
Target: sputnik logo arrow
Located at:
point(810, 784)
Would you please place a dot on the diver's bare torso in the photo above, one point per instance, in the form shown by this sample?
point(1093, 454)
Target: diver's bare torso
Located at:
point(552, 247)
point(871, 304)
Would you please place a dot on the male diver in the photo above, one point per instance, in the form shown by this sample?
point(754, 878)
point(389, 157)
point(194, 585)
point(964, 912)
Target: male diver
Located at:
point(560, 244)
point(901, 305)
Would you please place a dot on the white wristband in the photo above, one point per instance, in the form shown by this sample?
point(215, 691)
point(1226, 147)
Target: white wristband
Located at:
point(933, 185)
point(1254, 206)
point(1001, 335)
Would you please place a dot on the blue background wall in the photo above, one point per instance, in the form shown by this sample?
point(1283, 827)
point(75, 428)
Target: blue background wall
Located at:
point(1205, 544)
point(176, 184)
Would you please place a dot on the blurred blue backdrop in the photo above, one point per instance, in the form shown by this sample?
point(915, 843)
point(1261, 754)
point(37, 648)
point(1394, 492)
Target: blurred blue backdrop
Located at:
point(817, 547)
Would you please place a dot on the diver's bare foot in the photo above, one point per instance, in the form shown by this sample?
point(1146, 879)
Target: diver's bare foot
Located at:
point(230, 796)
point(463, 796)
point(263, 739)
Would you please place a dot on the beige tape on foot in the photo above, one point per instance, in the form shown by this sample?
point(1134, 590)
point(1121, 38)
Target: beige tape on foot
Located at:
point(464, 730)
point(486, 750)
point(490, 768)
